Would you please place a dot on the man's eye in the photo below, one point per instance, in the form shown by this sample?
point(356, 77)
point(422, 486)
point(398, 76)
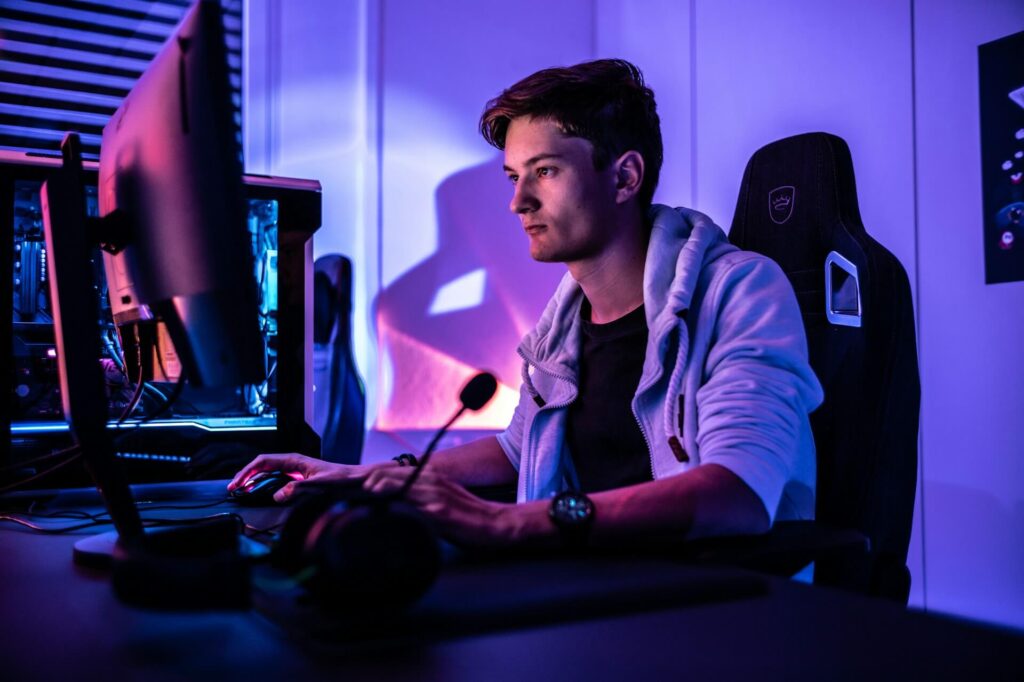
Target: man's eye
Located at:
point(513, 179)
point(545, 171)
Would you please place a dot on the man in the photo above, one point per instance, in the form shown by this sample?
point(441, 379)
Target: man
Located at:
point(665, 388)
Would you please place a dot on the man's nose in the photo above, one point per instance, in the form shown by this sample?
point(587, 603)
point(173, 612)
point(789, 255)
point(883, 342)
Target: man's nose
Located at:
point(523, 199)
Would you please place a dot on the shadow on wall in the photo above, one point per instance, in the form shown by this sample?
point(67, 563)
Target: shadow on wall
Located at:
point(973, 566)
point(463, 309)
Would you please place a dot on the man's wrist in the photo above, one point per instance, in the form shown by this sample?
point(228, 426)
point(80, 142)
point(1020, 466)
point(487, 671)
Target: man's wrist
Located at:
point(529, 524)
point(406, 459)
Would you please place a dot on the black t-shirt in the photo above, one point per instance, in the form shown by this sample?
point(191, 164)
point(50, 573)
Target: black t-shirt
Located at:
point(603, 436)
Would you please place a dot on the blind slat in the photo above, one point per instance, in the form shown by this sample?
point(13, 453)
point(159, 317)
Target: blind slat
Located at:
point(77, 24)
point(17, 57)
point(112, 10)
point(21, 100)
point(56, 42)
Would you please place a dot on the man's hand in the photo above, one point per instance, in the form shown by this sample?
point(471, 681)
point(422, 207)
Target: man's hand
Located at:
point(459, 515)
point(480, 462)
point(299, 467)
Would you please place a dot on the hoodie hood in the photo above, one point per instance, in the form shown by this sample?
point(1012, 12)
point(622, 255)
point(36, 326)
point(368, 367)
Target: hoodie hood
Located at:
point(682, 241)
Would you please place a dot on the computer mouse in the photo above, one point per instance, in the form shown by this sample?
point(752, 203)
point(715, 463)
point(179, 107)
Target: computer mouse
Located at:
point(259, 489)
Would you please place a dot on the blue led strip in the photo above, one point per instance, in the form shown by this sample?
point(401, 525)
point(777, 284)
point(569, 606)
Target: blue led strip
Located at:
point(213, 424)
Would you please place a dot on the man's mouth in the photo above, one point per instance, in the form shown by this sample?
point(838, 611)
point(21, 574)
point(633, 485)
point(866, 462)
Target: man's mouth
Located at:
point(534, 229)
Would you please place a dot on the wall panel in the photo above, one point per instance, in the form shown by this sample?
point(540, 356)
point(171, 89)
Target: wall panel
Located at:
point(973, 380)
point(458, 288)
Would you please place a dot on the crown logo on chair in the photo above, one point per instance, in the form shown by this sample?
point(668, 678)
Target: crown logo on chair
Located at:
point(780, 203)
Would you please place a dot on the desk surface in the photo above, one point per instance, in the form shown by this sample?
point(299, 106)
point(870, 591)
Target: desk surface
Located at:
point(58, 620)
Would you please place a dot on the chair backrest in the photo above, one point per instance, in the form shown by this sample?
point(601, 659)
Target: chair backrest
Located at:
point(339, 400)
point(798, 206)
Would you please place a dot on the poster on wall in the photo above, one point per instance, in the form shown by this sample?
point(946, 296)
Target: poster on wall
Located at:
point(1001, 90)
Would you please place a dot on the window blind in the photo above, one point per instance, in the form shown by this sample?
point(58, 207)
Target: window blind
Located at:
point(67, 64)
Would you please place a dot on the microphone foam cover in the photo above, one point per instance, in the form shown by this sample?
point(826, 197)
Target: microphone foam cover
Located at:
point(478, 391)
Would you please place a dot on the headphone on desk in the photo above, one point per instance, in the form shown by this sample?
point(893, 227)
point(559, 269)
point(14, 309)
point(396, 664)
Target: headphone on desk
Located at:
point(352, 549)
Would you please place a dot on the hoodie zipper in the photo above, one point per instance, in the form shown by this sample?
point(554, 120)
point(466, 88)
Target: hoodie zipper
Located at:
point(647, 442)
point(640, 389)
point(556, 406)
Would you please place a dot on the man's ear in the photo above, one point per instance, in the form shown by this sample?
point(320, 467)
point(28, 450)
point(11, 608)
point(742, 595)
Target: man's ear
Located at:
point(629, 176)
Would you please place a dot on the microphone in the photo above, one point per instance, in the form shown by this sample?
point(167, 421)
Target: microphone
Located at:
point(371, 553)
point(477, 392)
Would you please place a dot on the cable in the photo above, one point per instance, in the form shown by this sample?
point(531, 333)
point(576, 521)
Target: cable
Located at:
point(79, 513)
point(40, 458)
point(49, 531)
point(134, 401)
point(168, 401)
point(175, 394)
point(180, 507)
point(42, 473)
point(103, 520)
point(153, 389)
point(114, 349)
point(64, 514)
point(173, 398)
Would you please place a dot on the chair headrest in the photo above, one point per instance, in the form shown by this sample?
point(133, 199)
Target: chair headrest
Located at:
point(796, 194)
point(332, 296)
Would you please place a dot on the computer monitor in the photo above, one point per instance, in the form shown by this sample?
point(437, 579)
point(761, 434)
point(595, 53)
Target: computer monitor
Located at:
point(173, 228)
point(171, 203)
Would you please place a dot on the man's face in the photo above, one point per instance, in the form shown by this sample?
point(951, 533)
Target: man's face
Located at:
point(566, 206)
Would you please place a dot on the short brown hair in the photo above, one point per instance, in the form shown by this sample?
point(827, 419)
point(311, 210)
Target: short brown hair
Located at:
point(604, 102)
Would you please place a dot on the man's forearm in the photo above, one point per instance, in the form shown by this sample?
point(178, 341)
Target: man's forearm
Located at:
point(479, 463)
point(707, 501)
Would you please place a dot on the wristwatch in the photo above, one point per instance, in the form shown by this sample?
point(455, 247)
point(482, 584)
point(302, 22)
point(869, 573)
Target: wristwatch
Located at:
point(572, 513)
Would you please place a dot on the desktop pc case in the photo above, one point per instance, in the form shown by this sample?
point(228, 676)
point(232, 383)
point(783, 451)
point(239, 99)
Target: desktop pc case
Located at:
point(274, 416)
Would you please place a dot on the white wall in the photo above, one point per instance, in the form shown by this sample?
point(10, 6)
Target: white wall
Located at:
point(379, 100)
point(972, 430)
point(765, 71)
point(444, 197)
point(310, 104)
point(655, 35)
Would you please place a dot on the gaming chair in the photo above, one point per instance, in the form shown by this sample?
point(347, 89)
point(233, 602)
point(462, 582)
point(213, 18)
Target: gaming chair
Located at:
point(339, 403)
point(798, 206)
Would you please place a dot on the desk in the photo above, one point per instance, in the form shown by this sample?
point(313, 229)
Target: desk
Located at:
point(60, 621)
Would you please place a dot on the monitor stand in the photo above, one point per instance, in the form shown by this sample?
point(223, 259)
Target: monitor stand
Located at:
point(198, 565)
point(75, 305)
point(96, 551)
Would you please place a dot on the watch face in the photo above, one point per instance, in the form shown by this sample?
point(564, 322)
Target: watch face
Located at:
point(572, 509)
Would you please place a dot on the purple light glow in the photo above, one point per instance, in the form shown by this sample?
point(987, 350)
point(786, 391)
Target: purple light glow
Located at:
point(418, 201)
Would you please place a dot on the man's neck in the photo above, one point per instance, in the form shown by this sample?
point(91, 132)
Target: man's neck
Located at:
point(613, 281)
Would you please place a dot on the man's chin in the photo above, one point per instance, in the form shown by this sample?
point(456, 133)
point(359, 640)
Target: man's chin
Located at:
point(539, 252)
point(545, 252)
point(544, 257)
point(555, 256)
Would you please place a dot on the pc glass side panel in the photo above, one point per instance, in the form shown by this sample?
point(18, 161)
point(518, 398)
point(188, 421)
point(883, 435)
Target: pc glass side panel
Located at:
point(233, 423)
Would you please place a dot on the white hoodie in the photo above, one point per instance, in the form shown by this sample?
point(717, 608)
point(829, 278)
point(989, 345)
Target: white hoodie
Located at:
point(725, 377)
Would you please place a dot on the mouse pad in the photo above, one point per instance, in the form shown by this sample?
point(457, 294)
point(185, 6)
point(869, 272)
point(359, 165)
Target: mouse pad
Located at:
point(479, 594)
